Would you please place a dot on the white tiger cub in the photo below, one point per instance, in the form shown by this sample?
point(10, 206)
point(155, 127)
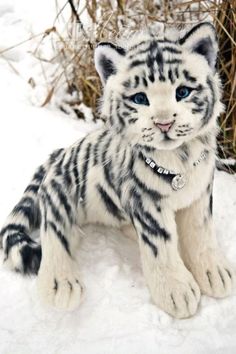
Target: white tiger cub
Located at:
point(152, 166)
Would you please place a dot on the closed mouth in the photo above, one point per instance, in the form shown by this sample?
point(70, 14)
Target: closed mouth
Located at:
point(166, 136)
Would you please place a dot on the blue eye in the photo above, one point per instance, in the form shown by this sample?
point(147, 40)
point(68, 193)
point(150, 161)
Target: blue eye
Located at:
point(140, 98)
point(182, 92)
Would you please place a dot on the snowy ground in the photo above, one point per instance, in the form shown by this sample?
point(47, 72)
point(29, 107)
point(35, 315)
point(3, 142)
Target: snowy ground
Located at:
point(117, 315)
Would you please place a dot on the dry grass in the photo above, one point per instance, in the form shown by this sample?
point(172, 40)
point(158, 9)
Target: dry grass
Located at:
point(110, 20)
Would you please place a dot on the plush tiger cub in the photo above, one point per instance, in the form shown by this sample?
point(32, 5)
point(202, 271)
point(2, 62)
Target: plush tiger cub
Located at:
point(151, 167)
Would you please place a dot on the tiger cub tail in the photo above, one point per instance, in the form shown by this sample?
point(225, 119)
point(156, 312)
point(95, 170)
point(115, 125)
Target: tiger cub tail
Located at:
point(21, 252)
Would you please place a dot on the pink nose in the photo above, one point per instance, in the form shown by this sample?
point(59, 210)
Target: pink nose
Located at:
point(164, 127)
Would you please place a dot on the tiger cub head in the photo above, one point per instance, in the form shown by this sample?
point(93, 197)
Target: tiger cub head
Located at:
point(161, 92)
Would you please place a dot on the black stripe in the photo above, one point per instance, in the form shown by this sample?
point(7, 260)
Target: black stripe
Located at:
point(176, 72)
point(27, 200)
point(59, 165)
point(109, 175)
point(44, 212)
point(160, 61)
point(170, 76)
point(152, 47)
point(136, 78)
point(76, 171)
point(60, 236)
point(120, 118)
point(188, 77)
point(127, 83)
point(131, 163)
point(153, 194)
point(197, 101)
point(194, 29)
point(165, 40)
point(55, 285)
point(122, 161)
point(132, 109)
point(47, 200)
point(145, 83)
point(15, 239)
point(132, 120)
point(210, 104)
point(150, 244)
point(199, 88)
point(26, 211)
point(136, 62)
point(109, 203)
point(171, 50)
point(67, 170)
point(84, 174)
point(147, 221)
point(63, 198)
point(111, 109)
point(143, 51)
point(32, 188)
point(97, 145)
point(150, 64)
point(53, 157)
point(151, 77)
point(105, 150)
point(146, 148)
point(13, 227)
point(197, 110)
point(31, 258)
point(119, 50)
point(173, 61)
point(210, 204)
point(149, 224)
point(204, 139)
point(39, 174)
point(136, 46)
point(207, 112)
point(162, 78)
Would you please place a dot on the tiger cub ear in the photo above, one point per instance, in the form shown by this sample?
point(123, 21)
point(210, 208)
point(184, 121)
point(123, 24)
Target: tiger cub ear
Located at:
point(202, 39)
point(107, 57)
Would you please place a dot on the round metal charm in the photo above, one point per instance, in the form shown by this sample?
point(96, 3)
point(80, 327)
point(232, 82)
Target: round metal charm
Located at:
point(178, 182)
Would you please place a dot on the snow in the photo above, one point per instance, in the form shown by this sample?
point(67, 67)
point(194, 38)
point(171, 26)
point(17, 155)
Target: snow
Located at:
point(116, 314)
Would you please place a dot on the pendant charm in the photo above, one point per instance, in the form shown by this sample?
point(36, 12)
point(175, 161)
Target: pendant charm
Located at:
point(178, 182)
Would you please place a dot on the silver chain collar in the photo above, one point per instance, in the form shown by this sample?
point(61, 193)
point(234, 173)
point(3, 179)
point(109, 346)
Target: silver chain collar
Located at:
point(177, 180)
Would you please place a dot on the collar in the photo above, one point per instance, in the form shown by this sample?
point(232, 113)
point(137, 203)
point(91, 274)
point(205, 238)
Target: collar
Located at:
point(177, 180)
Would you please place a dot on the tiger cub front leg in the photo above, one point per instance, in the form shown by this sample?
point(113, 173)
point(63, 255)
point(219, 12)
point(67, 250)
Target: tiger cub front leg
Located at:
point(58, 278)
point(200, 251)
point(172, 286)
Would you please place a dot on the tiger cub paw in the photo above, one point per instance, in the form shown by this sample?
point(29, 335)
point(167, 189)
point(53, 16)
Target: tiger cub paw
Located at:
point(62, 291)
point(176, 292)
point(214, 274)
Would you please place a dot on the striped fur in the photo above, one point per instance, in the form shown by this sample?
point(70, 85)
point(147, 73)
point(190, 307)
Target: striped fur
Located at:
point(103, 177)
